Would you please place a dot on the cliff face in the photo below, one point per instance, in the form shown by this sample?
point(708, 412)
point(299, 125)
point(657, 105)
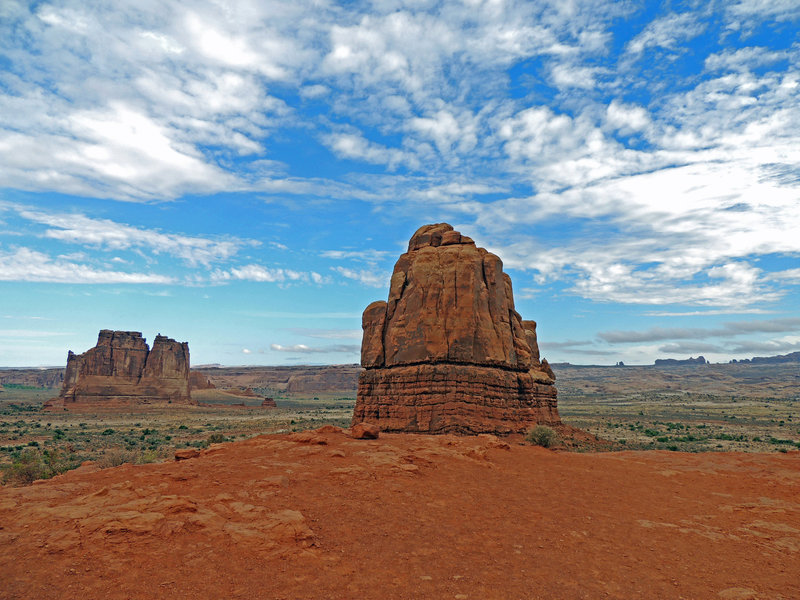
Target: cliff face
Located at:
point(448, 352)
point(122, 370)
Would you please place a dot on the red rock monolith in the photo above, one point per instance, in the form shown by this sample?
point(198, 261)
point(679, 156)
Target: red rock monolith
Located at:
point(448, 353)
point(122, 371)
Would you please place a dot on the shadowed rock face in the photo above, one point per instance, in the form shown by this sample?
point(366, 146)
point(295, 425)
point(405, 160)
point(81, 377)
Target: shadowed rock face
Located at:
point(122, 370)
point(447, 352)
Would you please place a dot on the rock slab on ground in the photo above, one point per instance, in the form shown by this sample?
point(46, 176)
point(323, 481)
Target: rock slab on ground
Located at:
point(448, 353)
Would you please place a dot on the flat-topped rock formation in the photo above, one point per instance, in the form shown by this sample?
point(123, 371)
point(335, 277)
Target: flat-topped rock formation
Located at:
point(448, 352)
point(121, 370)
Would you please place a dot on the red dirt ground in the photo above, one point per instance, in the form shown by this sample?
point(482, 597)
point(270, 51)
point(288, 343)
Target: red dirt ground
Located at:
point(321, 515)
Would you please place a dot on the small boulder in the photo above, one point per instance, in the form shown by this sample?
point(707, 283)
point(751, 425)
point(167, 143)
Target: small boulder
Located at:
point(364, 431)
point(187, 453)
point(329, 429)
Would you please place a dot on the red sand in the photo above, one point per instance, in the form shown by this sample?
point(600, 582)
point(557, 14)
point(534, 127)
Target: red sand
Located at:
point(318, 515)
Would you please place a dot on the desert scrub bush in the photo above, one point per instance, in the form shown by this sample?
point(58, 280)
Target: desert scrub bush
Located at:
point(114, 457)
point(542, 435)
point(32, 464)
point(216, 438)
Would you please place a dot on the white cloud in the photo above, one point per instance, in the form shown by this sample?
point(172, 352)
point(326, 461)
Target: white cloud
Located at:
point(303, 349)
point(447, 131)
point(567, 76)
point(368, 255)
point(107, 234)
point(24, 264)
point(260, 273)
point(743, 59)
point(745, 14)
point(366, 277)
point(626, 119)
point(666, 32)
point(354, 146)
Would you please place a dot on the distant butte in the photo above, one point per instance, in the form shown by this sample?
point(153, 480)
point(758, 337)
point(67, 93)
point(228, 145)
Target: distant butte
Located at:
point(122, 371)
point(448, 353)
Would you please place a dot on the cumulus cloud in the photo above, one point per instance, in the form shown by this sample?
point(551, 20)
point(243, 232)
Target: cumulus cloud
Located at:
point(668, 194)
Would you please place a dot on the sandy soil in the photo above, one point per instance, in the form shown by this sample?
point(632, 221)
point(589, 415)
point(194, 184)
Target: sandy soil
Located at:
point(320, 515)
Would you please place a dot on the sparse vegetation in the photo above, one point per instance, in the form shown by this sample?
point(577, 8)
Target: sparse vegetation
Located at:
point(114, 438)
point(543, 436)
point(30, 464)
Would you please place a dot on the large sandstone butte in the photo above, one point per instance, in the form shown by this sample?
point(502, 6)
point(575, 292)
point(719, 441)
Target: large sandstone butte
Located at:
point(448, 353)
point(121, 370)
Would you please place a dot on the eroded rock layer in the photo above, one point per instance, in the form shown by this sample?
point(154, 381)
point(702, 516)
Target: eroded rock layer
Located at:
point(448, 352)
point(122, 370)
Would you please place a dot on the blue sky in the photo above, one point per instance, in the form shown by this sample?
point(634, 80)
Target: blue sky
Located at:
point(243, 175)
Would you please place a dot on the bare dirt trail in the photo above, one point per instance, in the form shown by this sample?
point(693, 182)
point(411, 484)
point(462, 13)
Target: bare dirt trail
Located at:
point(321, 515)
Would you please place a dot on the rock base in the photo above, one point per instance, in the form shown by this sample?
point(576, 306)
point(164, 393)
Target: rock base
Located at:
point(453, 398)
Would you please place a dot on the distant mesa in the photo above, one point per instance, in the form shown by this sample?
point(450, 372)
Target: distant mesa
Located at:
point(122, 371)
point(674, 362)
point(269, 403)
point(771, 360)
point(199, 381)
point(448, 353)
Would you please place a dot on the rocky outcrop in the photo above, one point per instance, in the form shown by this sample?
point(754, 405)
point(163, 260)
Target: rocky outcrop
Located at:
point(269, 403)
point(674, 362)
point(121, 370)
point(323, 380)
point(448, 352)
point(199, 381)
point(41, 378)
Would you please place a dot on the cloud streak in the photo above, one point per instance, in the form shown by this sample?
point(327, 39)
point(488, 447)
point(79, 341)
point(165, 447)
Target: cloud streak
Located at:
point(732, 329)
point(24, 264)
point(303, 349)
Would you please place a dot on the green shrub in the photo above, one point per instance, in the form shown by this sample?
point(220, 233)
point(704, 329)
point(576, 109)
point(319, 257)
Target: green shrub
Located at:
point(216, 438)
point(543, 436)
point(114, 457)
point(32, 464)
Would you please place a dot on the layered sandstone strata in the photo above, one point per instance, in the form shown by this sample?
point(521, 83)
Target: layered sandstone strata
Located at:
point(121, 370)
point(448, 352)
